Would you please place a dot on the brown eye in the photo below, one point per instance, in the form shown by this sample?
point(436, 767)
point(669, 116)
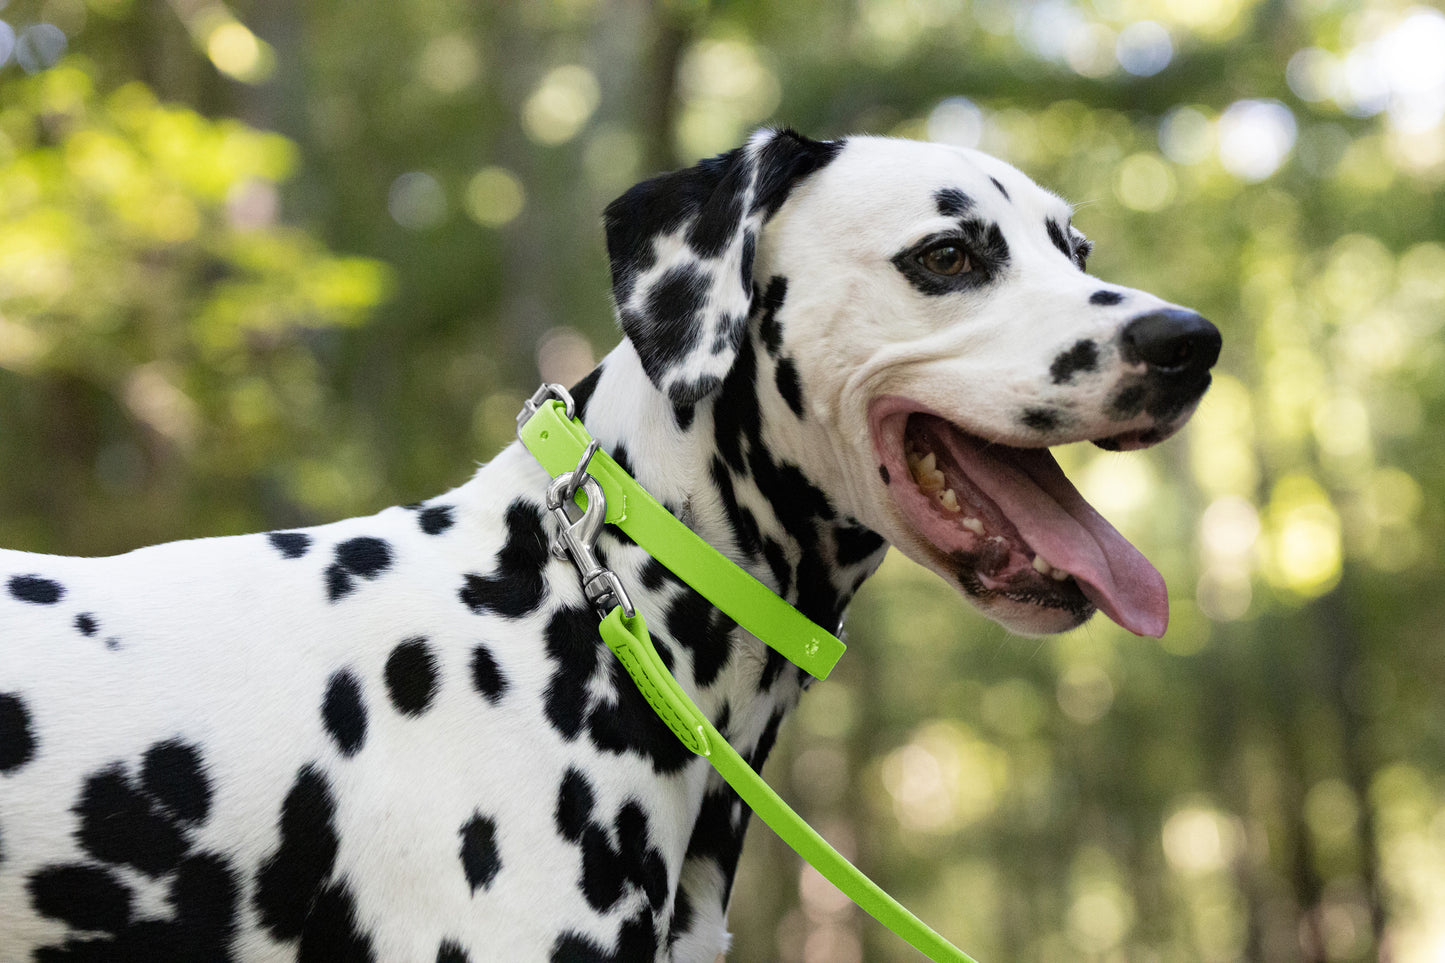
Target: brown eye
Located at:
point(946, 260)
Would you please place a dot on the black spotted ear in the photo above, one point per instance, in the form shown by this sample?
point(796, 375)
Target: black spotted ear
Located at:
point(682, 246)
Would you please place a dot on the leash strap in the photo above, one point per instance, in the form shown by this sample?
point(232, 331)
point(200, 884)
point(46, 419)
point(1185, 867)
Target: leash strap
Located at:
point(629, 640)
point(559, 442)
point(565, 449)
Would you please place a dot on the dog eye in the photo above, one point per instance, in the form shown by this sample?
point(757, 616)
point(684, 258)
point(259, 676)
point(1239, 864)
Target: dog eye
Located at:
point(946, 259)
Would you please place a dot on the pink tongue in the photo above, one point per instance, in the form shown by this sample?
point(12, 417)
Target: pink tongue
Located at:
point(1031, 490)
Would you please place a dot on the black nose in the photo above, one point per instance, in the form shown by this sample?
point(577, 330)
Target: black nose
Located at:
point(1173, 342)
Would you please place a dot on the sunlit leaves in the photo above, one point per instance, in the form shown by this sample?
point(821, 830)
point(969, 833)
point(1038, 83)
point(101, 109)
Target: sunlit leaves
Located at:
point(143, 259)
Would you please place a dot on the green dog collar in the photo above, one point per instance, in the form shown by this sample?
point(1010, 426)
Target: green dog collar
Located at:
point(559, 441)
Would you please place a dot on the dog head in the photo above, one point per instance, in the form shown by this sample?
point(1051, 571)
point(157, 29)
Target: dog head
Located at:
point(925, 317)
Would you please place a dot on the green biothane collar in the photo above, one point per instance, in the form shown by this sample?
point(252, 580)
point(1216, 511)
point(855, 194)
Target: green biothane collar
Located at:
point(558, 443)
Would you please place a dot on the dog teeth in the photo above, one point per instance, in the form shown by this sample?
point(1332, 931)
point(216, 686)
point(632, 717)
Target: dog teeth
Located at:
point(973, 525)
point(1042, 566)
point(926, 473)
point(949, 501)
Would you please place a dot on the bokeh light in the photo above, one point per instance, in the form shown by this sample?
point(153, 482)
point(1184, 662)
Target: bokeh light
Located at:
point(1255, 137)
point(416, 201)
point(494, 197)
point(39, 46)
point(560, 106)
point(7, 42)
point(1144, 48)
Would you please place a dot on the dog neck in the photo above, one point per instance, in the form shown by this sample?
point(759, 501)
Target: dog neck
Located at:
point(717, 466)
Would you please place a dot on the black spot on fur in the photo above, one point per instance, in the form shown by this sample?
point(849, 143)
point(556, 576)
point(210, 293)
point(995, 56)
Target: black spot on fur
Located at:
point(789, 386)
point(292, 877)
point(682, 916)
point(202, 896)
point(786, 159)
point(17, 740)
point(856, 544)
point(642, 863)
point(766, 741)
point(35, 589)
point(411, 676)
point(777, 558)
point(717, 835)
point(631, 725)
point(146, 825)
point(338, 582)
point(1128, 402)
point(171, 772)
point(452, 952)
point(694, 623)
point(344, 713)
point(364, 556)
point(750, 248)
point(331, 933)
point(205, 894)
point(669, 326)
point(517, 586)
point(583, 390)
point(572, 642)
point(1058, 238)
point(1083, 356)
point(436, 519)
point(85, 897)
point(883, 474)
point(1000, 187)
point(772, 668)
point(637, 940)
point(683, 414)
point(718, 222)
point(120, 824)
point(1105, 297)
point(602, 877)
point(608, 871)
point(744, 525)
point(769, 328)
point(487, 677)
point(480, 859)
point(86, 624)
point(624, 724)
point(952, 202)
point(575, 800)
point(290, 544)
point(1040, 419)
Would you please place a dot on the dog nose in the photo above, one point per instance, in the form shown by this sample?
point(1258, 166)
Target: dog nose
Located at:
point(1173, 342)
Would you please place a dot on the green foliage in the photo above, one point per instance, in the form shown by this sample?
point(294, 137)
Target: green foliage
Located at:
point(180, 354)
point(145, 282)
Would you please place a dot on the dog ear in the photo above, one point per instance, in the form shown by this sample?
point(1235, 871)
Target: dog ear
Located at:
point(681, 247)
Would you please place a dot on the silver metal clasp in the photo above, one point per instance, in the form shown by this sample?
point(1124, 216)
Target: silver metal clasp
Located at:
point(547, 390)
point(578, 535)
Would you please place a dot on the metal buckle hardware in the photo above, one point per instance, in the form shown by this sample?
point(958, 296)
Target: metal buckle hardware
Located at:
point(530, 406)
point(578, 537)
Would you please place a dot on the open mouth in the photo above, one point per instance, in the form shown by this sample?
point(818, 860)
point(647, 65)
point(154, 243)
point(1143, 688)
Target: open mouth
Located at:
point(1007, 524)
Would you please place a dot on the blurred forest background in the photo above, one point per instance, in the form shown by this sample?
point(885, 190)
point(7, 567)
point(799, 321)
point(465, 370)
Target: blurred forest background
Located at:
point(273, 263)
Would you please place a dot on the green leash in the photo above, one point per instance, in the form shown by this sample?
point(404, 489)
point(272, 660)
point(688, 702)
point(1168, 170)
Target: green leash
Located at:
point(558, 441)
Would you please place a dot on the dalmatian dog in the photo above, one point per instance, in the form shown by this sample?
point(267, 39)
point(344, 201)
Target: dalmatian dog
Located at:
point(400, 738)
